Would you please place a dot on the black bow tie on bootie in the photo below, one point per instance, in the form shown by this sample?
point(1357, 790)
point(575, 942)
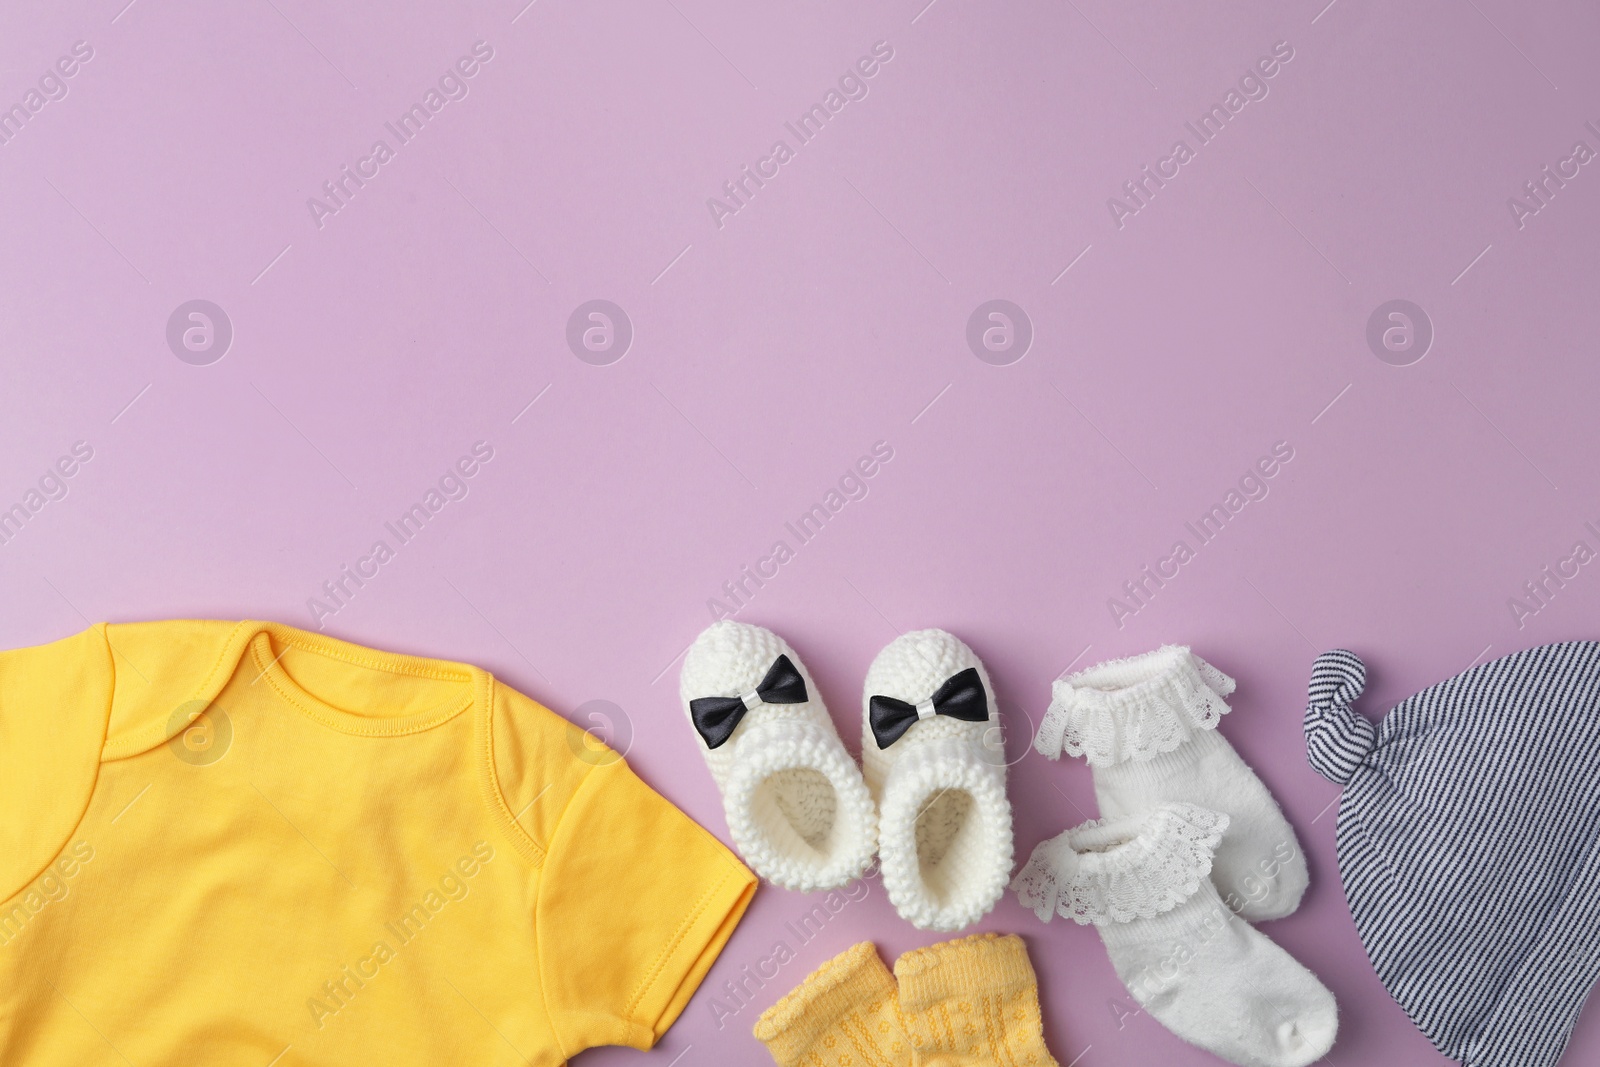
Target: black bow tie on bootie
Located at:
point(715, 718)
point(960, 697)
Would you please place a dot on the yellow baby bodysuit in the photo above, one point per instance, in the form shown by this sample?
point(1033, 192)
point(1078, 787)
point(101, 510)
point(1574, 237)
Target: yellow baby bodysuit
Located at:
point(241, 843)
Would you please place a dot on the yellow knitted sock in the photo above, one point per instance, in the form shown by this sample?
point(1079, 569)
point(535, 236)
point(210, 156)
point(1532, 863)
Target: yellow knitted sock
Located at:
point(973, 1002)
point(843, 1015)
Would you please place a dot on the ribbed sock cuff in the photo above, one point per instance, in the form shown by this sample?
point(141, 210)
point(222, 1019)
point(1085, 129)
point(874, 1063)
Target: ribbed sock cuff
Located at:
point(964, 968)
point(1149, 776)
point(853, 981)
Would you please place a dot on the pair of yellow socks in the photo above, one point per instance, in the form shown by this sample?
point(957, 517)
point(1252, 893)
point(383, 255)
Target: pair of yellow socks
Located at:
point(972, 1002)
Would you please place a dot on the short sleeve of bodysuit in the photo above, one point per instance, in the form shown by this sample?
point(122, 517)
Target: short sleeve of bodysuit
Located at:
point(635, 902)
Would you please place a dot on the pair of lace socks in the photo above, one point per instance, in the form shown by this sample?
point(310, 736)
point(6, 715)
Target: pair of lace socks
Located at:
point(929, 797)
point(973, 1002)
point(1191, 849)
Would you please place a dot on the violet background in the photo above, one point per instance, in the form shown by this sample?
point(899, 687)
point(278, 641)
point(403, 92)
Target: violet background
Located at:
point(829, 313)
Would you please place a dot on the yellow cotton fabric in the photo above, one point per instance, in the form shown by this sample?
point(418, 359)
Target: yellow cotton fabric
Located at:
point(241, 843)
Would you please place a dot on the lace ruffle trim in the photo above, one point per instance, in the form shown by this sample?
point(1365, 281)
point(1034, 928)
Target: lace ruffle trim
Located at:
point(1134, 709)
point(1152, 870)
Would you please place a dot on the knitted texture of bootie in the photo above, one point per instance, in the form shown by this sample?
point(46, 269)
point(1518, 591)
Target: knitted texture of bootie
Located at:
point(1148, 727)
point(797, 806)
point(845, 1014)
point(935, 762)
point(973, 1002)
point(1197, 968)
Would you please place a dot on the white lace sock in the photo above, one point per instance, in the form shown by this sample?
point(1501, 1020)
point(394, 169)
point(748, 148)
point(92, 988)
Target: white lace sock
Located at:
point(1147, 725)
point(797, 806)
point(944, 823)
point(1203, 973)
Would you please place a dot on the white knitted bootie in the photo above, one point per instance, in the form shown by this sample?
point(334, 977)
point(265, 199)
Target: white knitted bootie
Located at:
point(935, 762)
point(1201, 971)
point(796, 804)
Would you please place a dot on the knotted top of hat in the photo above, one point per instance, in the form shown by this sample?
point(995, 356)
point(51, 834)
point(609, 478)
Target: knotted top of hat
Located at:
point(1469, 844)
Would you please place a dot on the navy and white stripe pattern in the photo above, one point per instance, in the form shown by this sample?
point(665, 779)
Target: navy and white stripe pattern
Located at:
point(1337, 737)
point(1469, 845)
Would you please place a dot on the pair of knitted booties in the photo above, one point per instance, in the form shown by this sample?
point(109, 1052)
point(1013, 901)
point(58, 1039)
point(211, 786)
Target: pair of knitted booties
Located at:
point(932, 801)
point(1191, 849)
point(973, 1002)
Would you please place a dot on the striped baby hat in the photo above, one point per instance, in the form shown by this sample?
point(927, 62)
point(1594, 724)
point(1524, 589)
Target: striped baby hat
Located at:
point(1469, 844)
